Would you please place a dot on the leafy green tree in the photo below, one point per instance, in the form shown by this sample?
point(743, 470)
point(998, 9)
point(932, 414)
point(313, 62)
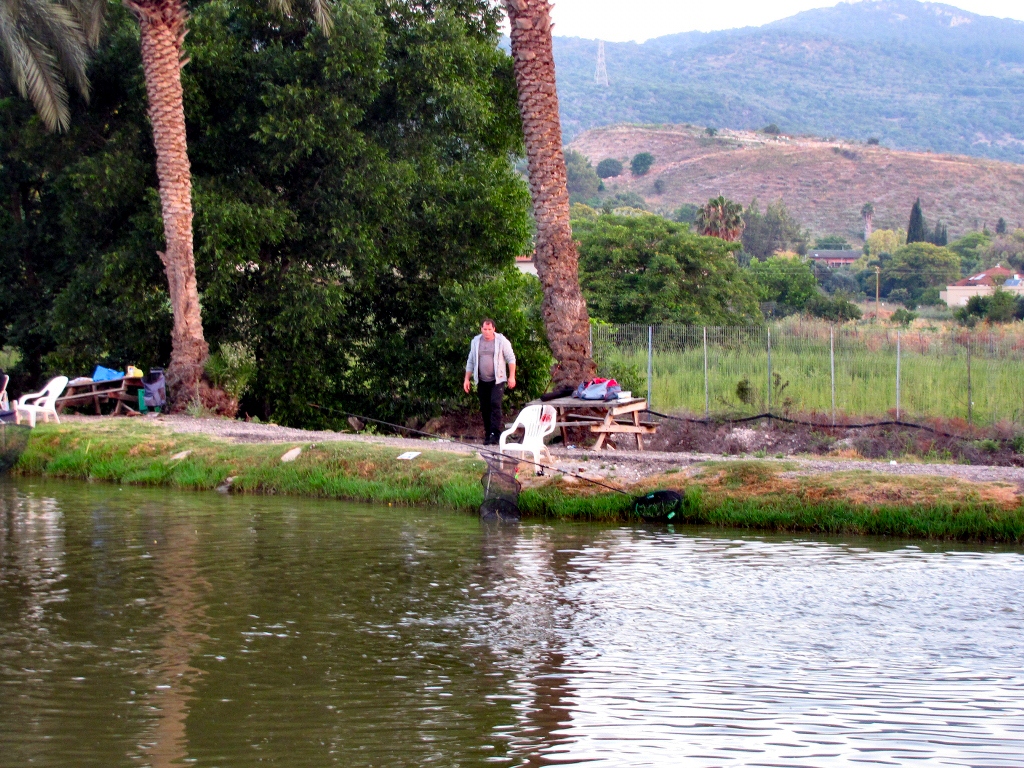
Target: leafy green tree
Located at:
point(686, 213)
point(1007, 250)
point(917, 230)
point(711, 132)
point(940, 235)
point(641, 163)
point(771, 129)
point(581, 178)
point(918, 266)
point(836, 309)
point(609, 168)
point(832, 243)
point(787, 284)
point(647, 269)
point(771, 231)
point(349, 191)
point(972, 249)
point(1001, 306)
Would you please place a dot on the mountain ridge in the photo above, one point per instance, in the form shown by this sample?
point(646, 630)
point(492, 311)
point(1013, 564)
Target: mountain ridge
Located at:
point(939, 78)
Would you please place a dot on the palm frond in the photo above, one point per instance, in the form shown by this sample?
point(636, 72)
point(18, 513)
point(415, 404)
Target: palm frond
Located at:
point(45, 47)
point(319, 10)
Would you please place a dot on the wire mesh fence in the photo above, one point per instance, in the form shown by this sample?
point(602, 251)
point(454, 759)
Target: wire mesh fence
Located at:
point(812, 367)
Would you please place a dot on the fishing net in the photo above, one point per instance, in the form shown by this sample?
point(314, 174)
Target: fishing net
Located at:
point(501, 489)
point(13, 439)
point(658, 507)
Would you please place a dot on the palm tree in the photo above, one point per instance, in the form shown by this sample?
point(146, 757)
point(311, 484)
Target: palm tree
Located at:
point(45, 46)
point(45, 43)
point(868, 214)
point(556, 257)
point(720, 218)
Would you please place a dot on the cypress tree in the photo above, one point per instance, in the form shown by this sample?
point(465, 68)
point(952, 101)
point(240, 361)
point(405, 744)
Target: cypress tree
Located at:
point(916, 231)
point(940, 236)
point(1001, 226)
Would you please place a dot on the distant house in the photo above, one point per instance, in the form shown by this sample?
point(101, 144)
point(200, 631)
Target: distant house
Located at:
point(833, 258)
point(981, 284)
point(525, 265)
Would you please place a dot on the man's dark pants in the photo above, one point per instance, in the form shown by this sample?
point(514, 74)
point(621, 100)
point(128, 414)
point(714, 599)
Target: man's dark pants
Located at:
point(490, 395)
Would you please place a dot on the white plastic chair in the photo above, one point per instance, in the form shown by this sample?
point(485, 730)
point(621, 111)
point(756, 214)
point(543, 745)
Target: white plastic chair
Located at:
point(41, 402)
point(537, 422)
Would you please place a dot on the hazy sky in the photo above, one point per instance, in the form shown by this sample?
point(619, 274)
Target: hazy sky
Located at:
point(619, 20)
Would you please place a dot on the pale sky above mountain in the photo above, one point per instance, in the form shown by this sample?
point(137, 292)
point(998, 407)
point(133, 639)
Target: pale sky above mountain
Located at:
point(621, 20)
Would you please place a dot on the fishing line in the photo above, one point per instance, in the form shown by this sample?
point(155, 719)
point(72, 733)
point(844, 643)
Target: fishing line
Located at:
point(480, 448)
point(787, 420)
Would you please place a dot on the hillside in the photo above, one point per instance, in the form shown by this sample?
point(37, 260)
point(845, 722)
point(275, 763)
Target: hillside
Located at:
point(916, 75)
point(823, 183)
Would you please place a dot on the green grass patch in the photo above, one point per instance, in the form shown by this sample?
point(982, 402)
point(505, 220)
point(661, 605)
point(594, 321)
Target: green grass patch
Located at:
point(736, 494)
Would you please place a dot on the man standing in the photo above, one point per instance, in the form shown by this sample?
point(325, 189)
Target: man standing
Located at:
point(488, 355)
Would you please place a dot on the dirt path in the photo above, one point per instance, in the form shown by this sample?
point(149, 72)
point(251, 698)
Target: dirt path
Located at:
point(624, 466)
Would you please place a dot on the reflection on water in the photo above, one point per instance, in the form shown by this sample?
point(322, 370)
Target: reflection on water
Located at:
point(149, 628)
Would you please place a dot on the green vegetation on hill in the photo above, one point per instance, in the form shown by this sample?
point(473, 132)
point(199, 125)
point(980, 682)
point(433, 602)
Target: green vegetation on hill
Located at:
point(914, 75)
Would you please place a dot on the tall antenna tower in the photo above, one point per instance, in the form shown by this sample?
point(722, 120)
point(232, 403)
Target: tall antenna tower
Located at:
point(601, 75)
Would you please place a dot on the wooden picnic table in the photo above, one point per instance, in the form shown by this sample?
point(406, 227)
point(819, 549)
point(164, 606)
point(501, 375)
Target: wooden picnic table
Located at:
point(124, 390)
point(571, 414)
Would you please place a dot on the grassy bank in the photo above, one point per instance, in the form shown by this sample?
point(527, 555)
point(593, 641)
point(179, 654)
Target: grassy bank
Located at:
point(753, 495)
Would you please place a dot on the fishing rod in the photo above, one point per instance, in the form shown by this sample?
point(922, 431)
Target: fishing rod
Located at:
point(480, 448)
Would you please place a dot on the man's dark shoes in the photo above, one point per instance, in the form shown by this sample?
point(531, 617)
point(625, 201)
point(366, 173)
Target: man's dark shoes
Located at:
point(491, 439)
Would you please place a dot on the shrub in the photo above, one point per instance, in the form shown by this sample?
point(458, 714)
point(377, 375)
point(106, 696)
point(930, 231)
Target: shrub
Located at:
point(641, 163)
point(711, 131)
point(771, 129)
point(902, 317)
point(609, 168)
point(873, 141)
point(659, 186)
point(231, 368)
point(837, 309)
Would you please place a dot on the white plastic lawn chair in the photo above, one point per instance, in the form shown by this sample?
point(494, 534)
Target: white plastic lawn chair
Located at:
point(44, 402)
point(537, 422)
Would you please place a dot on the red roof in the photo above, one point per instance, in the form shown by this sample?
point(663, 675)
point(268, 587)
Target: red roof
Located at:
point(995, 276)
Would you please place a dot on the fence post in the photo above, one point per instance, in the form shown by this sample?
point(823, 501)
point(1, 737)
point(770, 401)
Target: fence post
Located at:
point(897, 375)
point(707, 400)
point(769, 369)
point(590, 330)
point(832, 368)
point(970, 392)
point(650, 361)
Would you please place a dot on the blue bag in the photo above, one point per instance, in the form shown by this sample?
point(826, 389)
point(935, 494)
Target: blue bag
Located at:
point(106, 374)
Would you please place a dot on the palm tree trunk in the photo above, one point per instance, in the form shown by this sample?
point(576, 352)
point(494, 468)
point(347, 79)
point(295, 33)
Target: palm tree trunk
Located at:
point(564, 309)
point(163, 30)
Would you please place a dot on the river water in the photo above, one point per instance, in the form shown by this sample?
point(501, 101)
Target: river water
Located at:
point(142, 627)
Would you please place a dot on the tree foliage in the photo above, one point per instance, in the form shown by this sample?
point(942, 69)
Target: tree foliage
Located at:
point(641, 163)
point(785, 284)
point(720, 218)
point(353, 194)
point(918, 266)
point(44, 48)
point(609, 168)
point(886, 241)
point(581, 178)
point(917, 230)
point(646, 269)
point(774, 230)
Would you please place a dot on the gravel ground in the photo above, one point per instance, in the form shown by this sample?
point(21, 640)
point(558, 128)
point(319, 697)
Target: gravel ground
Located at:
point(624, 466)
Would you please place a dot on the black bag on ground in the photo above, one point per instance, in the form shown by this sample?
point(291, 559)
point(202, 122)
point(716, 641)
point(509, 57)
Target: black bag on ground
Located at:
point(554, 395)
